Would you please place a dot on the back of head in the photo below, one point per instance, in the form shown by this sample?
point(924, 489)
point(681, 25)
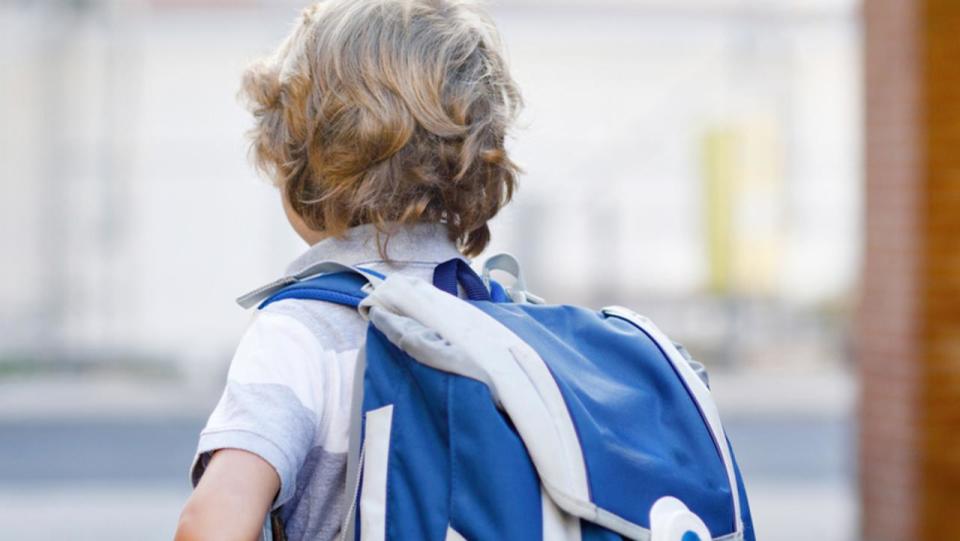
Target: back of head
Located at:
point(388, 111)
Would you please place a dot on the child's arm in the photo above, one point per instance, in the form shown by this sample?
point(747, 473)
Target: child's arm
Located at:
point(232, 499)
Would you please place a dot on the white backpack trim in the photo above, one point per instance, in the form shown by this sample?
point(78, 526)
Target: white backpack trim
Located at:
point(373, 496)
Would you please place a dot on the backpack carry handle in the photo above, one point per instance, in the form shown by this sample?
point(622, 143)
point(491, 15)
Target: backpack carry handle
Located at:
point(517, 292)
point(449, 273)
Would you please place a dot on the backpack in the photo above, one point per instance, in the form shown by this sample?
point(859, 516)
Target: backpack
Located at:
point(501, 417)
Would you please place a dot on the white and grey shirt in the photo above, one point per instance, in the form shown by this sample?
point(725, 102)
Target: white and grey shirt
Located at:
point(288, 391)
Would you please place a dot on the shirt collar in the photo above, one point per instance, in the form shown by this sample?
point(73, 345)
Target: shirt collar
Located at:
point(423, 242)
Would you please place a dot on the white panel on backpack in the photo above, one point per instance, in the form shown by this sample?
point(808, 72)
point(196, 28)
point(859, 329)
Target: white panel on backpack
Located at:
point(376, 454)
point(454, 535)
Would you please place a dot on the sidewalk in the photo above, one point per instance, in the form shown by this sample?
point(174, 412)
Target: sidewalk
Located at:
point(119, 448)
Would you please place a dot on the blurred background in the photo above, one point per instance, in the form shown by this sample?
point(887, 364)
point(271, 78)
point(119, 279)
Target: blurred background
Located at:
point(697, 160)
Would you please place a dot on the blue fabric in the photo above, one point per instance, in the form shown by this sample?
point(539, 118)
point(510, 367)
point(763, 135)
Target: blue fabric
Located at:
point(495, 489)
point(497, 293)
point(447, 274)
point(592, 532)
point(453, 456)
point(642, 435)
point(417, 480)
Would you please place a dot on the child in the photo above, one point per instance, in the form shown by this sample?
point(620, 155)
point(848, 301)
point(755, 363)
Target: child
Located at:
point(382, 123)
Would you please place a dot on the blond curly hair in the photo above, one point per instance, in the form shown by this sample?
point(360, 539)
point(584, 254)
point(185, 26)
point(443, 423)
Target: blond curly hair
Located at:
point(388, 112)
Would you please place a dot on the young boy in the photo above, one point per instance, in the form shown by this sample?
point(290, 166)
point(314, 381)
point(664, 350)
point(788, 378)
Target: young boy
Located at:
point(382, 123)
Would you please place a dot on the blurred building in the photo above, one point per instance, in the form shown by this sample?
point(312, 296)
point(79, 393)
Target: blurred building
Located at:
point(698, 159)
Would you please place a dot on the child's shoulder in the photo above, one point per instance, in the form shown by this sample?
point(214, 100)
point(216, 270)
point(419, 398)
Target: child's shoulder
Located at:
point(331, 326)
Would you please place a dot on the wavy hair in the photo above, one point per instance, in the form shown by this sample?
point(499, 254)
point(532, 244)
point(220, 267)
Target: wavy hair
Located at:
point(388, 111)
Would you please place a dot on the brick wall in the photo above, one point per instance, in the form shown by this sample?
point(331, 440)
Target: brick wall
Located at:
point(940, 399)
point(909, 325)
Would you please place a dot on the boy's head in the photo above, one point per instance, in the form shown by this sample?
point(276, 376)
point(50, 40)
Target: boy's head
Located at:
point(388, 111)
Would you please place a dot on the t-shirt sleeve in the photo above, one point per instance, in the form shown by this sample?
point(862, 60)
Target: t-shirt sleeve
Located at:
point(271, 403)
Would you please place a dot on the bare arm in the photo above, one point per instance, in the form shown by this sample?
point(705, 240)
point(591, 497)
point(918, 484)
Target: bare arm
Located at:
point(232, 499)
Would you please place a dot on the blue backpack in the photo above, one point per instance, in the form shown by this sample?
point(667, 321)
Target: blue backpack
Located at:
point(500, 417)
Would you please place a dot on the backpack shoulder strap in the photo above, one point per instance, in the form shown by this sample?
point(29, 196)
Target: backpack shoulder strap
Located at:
point(326, 281)
point(344, 288)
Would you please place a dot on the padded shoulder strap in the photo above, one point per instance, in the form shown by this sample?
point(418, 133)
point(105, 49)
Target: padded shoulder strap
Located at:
point(326, 281)
point(344, 288)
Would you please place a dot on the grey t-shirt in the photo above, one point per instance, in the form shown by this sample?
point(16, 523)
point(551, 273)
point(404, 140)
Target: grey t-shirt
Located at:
point(288, 390)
